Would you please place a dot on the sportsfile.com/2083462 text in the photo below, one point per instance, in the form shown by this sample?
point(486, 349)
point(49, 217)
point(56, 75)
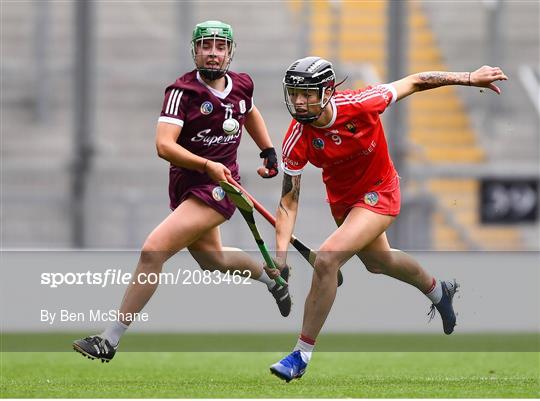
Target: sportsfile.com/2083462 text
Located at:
point(117, 277)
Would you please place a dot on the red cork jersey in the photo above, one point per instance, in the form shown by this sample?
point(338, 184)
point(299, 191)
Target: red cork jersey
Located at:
point(351, 149)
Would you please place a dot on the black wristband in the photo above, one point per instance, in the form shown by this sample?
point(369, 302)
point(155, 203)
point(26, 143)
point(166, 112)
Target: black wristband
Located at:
point(267, 152)
point(270, 162)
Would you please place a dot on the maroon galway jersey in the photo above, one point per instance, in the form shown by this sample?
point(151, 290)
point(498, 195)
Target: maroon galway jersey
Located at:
point(200, 110)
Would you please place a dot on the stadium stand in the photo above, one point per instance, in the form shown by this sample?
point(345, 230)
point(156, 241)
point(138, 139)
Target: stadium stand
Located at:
point(140, 48)
point(441, 131)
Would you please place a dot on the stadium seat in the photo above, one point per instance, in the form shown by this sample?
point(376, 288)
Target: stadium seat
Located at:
point(440, 131)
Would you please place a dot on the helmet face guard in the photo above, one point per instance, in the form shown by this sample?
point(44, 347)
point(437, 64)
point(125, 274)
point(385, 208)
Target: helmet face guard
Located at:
point(214, 40)
point(309, 78)
point(314, 95)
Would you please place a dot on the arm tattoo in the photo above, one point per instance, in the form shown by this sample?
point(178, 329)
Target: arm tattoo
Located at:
point(296, 187)
point(283, 208)
point(434, 79)
point(287, 184)
point(286, 188)
point(291, 184)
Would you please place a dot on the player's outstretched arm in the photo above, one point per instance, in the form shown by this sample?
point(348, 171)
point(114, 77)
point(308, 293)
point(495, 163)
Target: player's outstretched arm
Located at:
point(483, 77)
point(168, 149)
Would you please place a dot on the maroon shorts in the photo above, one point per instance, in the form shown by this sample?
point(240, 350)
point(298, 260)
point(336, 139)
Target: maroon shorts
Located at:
point(181, 187)
point(384, 200)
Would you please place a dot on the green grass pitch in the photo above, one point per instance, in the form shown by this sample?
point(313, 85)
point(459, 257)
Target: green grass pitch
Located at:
point(246, 375)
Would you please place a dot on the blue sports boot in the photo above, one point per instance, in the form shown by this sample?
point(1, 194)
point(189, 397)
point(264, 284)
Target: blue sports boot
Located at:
point(445, 308)
point(290, 367)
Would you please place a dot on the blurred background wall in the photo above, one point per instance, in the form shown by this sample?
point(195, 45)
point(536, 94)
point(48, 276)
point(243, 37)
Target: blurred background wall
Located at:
point(82, 85)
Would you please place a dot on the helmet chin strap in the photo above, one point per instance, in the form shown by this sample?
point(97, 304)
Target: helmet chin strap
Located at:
point(211, 74)
point(306, 119)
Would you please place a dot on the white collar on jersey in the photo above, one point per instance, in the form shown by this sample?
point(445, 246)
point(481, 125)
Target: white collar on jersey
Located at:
point(216, 93)
point(334, 115)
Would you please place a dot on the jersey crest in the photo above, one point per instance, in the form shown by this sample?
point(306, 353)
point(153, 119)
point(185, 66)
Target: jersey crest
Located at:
point(371, 198)
point(206, 108)
point(318, 143)
point(351, 127)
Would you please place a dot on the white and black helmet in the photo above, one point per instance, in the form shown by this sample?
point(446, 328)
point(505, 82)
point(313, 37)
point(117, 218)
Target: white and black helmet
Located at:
point(306, 74)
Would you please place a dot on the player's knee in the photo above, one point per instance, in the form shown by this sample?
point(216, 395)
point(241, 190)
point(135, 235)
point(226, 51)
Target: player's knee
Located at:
point(326, 263)
point(375, 269)
point(151, 257)
point(379, 263)
point(211, 261)
point(209, 267)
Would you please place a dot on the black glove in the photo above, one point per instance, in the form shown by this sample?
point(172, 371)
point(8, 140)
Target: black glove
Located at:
point(270, 162)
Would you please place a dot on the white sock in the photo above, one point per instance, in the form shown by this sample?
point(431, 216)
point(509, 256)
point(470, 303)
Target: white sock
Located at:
point(114, 332)
point(305, 349)
point(266, 280)
point(435, 294)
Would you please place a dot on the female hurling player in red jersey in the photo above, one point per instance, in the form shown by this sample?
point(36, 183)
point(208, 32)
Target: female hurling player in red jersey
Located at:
point(341, 133)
